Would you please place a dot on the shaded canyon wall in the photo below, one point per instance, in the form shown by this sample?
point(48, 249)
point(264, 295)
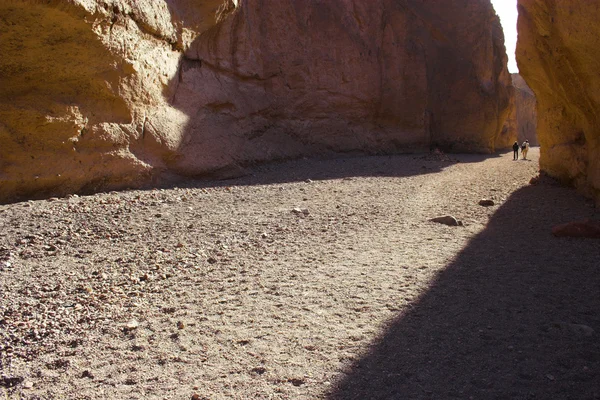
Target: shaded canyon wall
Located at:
point(98, 95)
point(521, 123)
point(557, 54)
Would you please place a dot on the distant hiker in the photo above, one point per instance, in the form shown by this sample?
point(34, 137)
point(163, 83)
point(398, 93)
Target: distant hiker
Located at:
point(525, 149)
point(516, 150)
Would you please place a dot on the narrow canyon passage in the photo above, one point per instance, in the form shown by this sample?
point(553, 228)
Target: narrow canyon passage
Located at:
point(307, 279)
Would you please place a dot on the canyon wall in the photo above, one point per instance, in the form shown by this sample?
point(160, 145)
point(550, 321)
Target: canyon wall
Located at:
point(98, 95)
point(81, 83)
point(557, 54)
point(521, 123)
point(525, 111)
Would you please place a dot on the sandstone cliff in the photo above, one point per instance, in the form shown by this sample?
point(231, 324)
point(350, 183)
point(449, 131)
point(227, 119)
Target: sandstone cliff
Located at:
point(98, 95)
point(526, 111)
point(521, 123)
point(79, 81)
point(557, 55)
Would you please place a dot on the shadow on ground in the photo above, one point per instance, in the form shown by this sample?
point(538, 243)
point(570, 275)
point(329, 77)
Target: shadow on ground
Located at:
point(509, 318)
point(336, 166)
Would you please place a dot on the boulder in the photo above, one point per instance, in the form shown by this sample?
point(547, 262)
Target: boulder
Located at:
point(578, 229)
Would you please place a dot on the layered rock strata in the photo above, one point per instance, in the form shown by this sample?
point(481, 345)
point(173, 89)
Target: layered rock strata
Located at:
point(557, 54)
point(98, 95)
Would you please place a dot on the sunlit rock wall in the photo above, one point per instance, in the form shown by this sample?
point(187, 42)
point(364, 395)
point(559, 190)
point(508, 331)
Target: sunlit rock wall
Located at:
point(98, 95)
point(83, 83)
point(557, 54)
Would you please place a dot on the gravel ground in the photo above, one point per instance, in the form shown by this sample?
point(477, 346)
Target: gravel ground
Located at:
point(311, 279)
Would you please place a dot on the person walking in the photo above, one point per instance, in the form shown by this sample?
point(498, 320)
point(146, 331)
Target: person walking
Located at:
point(525, 149)
point(515, 151)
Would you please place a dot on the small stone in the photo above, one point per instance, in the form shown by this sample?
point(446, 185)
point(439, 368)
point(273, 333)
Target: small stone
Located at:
point(298, 211)
point(131, 325)
point(10, 381)
point(87, 374)
point(195, 396)
point(486, 202)
point(296, 381)
point(180, 325)
point(447, 220)
point(578, 329)
point(27, 385)
point(50, 247)
point(550, 377)
point(259, 370)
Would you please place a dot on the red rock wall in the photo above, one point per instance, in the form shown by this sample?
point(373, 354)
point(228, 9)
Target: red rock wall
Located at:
point(383, 76)
point(557, 54)
point(99, 95)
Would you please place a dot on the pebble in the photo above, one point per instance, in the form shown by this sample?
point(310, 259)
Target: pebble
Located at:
point(298, 211)
point(447, 220)
point(131, 325)
point(486, 202)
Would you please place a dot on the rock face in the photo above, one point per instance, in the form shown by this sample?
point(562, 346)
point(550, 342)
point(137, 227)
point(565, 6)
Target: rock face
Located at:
point(557, 54)
point(98, 95)
point(521, 123)
point(82, 91)
point(522, 118)
point(525, 115)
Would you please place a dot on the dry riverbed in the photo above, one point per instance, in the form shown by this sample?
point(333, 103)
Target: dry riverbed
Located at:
point(311, 279)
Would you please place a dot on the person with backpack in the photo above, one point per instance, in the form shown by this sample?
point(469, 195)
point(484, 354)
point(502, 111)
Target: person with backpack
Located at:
point(525, 149)
point(515, 151)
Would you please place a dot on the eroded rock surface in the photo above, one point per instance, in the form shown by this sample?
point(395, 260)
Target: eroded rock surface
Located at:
point(557, 55)
point(521, 123)
point(525, 115)
point(98, 95)
point(82, 88)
